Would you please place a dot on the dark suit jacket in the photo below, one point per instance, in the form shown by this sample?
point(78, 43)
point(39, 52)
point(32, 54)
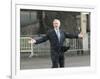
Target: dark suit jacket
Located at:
point(54, 42)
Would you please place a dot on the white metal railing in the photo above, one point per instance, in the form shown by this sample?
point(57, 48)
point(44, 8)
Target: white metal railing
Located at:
point(25, 46)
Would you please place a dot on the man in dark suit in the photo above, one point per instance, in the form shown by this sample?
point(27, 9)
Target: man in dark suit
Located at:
point(56, 37)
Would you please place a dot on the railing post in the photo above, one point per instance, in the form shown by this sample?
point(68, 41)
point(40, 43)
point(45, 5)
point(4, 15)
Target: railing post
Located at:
point(83, 29)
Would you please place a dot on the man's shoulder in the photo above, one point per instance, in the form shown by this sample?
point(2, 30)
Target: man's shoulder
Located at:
point(50, 30)
point(62, 30)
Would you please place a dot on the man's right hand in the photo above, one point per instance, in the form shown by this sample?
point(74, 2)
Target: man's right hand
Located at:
point(32, 41)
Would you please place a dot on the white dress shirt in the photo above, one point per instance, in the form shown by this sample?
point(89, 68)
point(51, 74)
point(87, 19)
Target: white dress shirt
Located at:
point(58, 33)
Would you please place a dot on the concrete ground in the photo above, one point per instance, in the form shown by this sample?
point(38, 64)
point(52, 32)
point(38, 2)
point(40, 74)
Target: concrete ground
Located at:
point(41, 62)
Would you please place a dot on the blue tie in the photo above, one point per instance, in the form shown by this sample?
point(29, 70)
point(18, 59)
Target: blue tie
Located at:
point(58, 34)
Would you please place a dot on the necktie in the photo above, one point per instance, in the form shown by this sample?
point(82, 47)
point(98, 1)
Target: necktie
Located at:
point(58, 34)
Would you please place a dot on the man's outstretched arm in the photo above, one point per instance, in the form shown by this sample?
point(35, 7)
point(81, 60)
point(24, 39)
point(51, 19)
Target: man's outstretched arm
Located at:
point(74, 35)
point(38, 41)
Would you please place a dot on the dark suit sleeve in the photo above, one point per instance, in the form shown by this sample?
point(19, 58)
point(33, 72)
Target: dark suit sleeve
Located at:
point(42, 39)
point(71, 35)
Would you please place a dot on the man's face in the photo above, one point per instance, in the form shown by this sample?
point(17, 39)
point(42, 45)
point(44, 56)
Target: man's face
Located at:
point(56, 23)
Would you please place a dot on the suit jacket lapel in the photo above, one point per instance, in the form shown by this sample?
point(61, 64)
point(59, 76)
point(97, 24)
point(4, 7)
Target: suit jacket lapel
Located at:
point(55, 35)
point(60, 35)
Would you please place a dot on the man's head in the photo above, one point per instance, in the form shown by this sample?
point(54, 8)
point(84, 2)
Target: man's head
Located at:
point(56, 23)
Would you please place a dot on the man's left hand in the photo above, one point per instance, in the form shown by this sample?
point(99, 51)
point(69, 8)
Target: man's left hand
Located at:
point(80, 35)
